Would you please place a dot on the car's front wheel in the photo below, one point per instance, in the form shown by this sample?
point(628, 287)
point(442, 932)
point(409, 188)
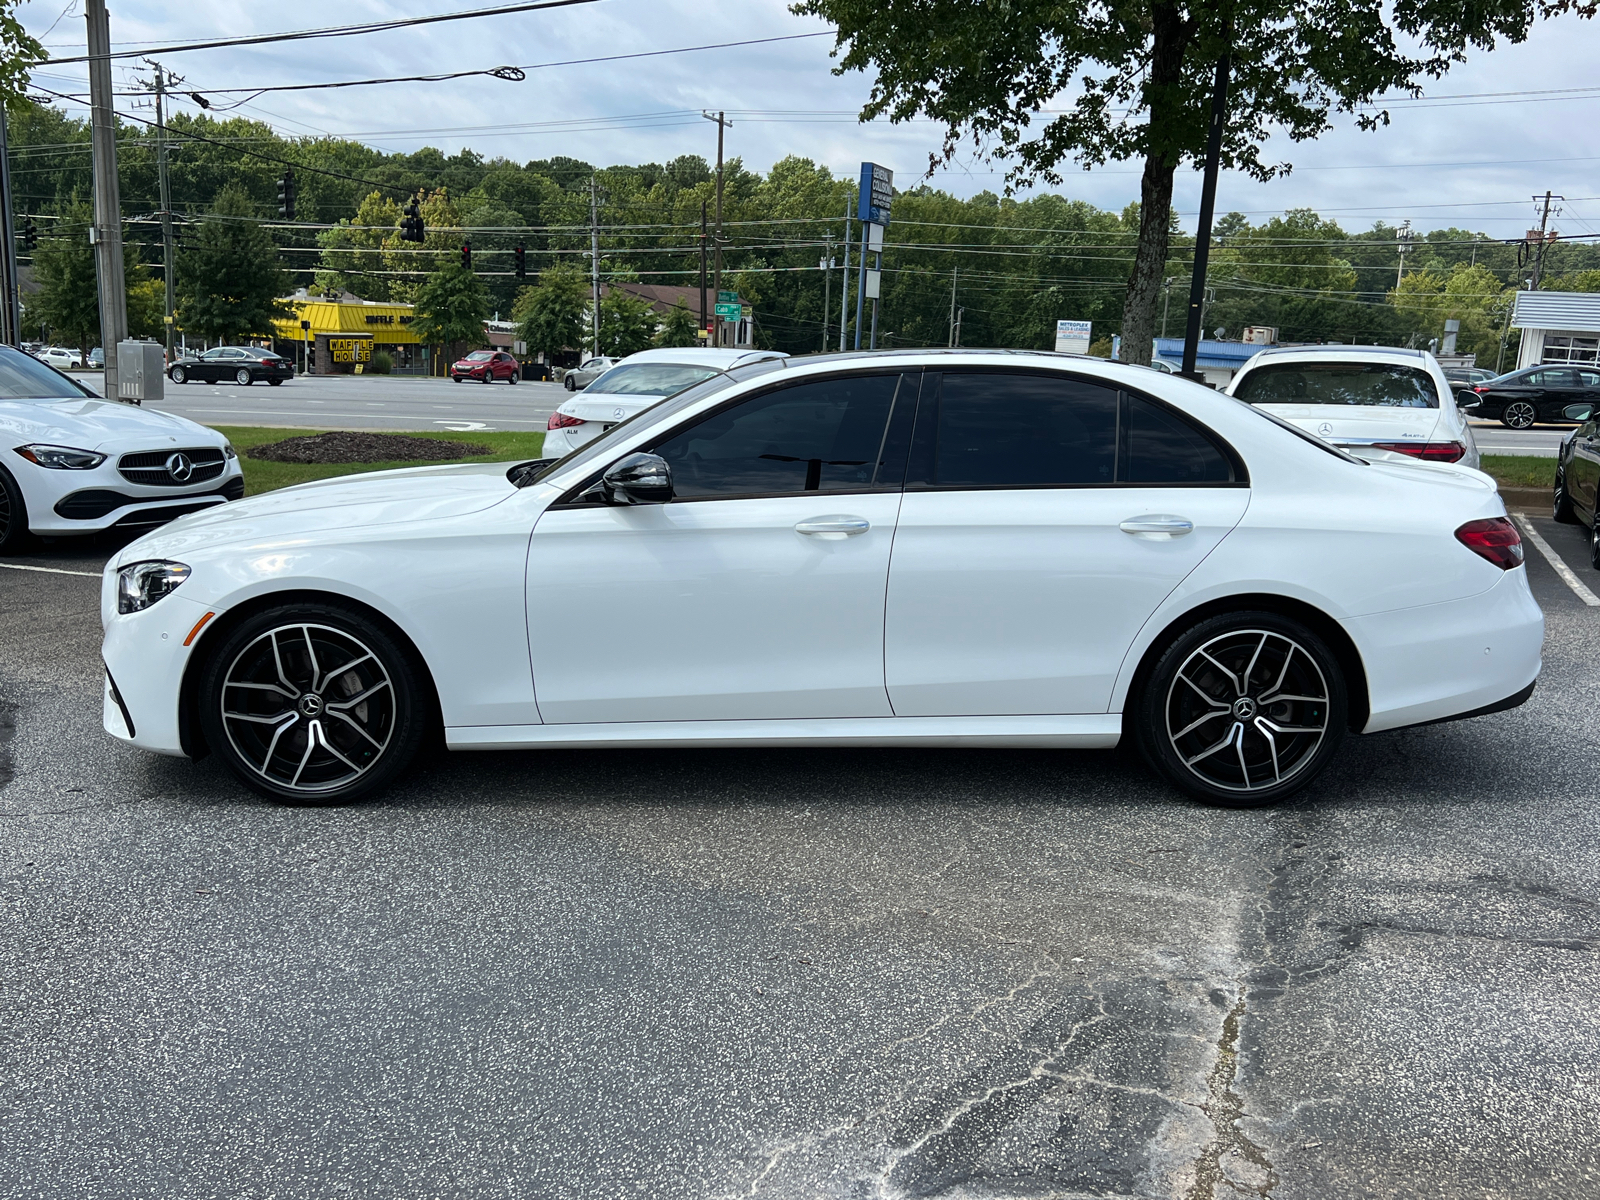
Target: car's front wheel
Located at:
point(570, 383)
point(1242, 710)
point(242, 377)
point(14, 536)
point(313, 704)
point(179, 375)
point(511, 378)
point(1561, 504)
point(1519, 414)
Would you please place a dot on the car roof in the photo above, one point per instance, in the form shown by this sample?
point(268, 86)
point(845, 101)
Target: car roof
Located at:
point(702, 356)
point(1336, 351)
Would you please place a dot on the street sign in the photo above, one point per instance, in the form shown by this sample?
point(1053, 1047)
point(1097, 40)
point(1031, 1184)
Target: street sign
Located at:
point(1072, 337)
point(875, 195)
point(727, 297)
point(728, 312)
point(874, 283)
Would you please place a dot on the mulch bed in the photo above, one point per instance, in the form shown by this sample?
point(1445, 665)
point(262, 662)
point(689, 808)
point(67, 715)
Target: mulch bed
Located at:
point(351, 447)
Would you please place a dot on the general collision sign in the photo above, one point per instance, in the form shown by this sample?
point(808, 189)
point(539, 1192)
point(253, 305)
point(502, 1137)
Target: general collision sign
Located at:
point(875, 195)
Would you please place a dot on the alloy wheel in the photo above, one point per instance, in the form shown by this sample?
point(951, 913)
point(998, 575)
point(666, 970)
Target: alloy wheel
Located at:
point(178, 375)
point(1247, 710)
point(241, 376)
point(1519, 414)
point(1594, 542)
point(308, 707)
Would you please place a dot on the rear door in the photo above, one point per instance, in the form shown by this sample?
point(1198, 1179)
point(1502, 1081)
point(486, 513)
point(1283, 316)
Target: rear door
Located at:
point(1045, 518)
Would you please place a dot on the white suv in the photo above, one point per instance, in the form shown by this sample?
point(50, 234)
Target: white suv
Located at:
point(1372, 401)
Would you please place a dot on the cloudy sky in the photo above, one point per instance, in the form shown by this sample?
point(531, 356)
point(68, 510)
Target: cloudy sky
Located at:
point(1470, 155)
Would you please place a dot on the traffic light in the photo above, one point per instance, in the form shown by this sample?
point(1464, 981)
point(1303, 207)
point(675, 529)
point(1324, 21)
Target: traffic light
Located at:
point(286, 196)
point(521, 256)
point(411, 226)
point(466, 255)
point(30, 234)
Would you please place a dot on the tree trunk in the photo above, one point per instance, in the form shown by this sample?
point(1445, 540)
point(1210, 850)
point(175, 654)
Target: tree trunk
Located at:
point(1149, 261)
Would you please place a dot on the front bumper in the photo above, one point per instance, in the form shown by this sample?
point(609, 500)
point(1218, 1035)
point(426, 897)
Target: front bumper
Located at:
point(144, 654)
point(66, 503)
point(1440, 661)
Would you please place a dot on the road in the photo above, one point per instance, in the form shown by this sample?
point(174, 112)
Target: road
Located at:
point(1494, 438)
point(796, 974)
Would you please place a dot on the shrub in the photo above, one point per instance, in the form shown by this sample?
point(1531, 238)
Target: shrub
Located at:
point(381, 363)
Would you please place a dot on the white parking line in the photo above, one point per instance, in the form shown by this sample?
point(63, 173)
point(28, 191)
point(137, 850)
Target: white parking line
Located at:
point(49, 570)
point(1554, 559)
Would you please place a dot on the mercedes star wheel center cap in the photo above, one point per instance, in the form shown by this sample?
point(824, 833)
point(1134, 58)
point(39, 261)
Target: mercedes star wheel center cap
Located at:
point(1244, 708)
point(179, 467)
point(311, 704)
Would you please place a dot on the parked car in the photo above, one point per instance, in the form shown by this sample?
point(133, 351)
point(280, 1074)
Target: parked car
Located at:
point(61, 358)
point(97, 359)
point(1460, 377)
point(587, 372)
point(633, 385)
point(486, 366)
point(1536, 395)
point(240, 364)
point(1082, 551)
point(1576, 496)
point(1376, 402)
point(72, 463)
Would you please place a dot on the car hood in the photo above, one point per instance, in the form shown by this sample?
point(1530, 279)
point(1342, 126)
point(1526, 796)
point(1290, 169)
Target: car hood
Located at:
point(311, 510)
point(1341, 422)
point(607, 407)
point(92, 424)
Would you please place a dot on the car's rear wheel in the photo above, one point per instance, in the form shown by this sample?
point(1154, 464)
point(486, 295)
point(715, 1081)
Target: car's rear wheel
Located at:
point(1594, 539)
point(242, 377)
point(1242, 710)
point(1561, 504)
point(275, 382)
point(14, 536)
point(313, 704)
point(1519, 414)
point(179, 375)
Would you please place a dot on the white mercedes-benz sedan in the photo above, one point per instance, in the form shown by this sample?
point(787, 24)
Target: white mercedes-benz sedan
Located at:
point(931, 548)
point(72, 463)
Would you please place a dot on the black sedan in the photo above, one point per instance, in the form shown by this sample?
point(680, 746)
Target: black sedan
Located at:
point(235, 364)
point(1577, 490)
point(1533, 394)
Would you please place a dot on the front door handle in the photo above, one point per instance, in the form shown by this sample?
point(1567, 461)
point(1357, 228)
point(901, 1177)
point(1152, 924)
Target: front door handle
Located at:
point(1158, 524)
point(838, 527)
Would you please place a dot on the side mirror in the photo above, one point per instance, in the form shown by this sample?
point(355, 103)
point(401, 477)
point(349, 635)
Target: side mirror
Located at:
point(1578, 412)
point(1467, 401)
point(638, 479)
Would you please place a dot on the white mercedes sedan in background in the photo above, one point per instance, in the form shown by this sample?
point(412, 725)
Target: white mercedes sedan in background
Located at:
point(72, 463)
point(633, 385)
point(930, 548)
point(1374, 401)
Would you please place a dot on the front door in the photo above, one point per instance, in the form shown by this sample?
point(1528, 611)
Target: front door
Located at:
point(757, 592)
point(1045, 518)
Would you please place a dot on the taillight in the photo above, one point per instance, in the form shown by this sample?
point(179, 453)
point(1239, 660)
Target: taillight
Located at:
point(1481, 387)
point(560, 420)
point(1494, 538)
point(1427, 451)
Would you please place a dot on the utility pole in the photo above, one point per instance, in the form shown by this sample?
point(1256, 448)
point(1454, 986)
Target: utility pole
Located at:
point(827, 287)
point(594, 260)
point(1208, 203)
point(1544, 239)
point(953, 272)
point(166, 199)
point(956, 341)
point(106, 232)
point(1166, 303)
point(1402, 248)
point(722, 123)
point(844, 279)
point(703, 313)
point(11, 316)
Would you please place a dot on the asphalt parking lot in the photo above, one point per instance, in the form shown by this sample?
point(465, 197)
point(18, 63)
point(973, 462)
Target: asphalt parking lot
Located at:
point(797, 974)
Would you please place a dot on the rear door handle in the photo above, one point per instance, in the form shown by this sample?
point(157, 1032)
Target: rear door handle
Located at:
point(1158, 524)
point(836, 526)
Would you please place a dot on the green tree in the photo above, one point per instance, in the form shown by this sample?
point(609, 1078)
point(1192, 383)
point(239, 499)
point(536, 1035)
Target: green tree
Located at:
point(230, 285)
point(627, 322)
point(66, 308)
point(452, 306)
point(679, 328)
point(1141, 73)
point(1471, 295)
point(19, 50)
point(550, 315)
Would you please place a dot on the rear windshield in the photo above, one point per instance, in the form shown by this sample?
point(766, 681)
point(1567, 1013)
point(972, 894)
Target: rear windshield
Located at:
point(24, 377)
point(1381, 385)
point(649, 379)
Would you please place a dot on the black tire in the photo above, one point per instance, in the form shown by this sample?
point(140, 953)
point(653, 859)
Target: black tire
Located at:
point(275, 382)
point(1274, 654)
point(455, 379)
point(274, 743)
point(14, 535)
point(179, 375)
point(1594, 539)
point(570, 382)
point(243, 377)
point(1561, 503)
point(1519, 414)
point(511, 378)
point(488, 377)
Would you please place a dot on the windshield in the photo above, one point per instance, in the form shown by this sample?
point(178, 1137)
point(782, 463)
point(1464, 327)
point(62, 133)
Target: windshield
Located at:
point(480, 356)
point(649, 379)
point(1381, 385)
point(23, 377)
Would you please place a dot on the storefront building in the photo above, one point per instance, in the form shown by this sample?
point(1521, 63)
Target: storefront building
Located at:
point(1557, 327)
point(339, 335)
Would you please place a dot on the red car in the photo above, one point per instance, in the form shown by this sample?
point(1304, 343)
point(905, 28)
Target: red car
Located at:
point(486, 366)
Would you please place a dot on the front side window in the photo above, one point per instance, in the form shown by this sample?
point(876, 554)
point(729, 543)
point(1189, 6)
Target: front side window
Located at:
point(827, 436)
point(649, 379)
point(1380, 385)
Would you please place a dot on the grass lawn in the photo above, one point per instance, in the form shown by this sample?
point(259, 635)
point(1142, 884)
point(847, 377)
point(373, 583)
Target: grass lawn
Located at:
point(1521, 470)
point(262, 476)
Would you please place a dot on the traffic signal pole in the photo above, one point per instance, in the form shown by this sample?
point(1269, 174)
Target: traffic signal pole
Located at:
point(167, 255)
point(722, 123)
point(12, 314)
point(106, 232)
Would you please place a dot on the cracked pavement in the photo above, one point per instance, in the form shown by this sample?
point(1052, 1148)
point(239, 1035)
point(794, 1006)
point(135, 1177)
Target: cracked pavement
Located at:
point(852, 974)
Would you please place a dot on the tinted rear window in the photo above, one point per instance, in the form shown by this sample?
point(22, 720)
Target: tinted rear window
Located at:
point(649, 379)
point(1381, 385)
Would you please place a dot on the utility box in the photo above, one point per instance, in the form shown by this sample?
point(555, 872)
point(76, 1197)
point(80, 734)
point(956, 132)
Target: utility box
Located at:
point(141, 372)
point(1260, 335)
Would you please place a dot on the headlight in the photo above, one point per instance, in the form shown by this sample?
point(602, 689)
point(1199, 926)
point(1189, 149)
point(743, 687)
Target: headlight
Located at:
point(228, 451)
point(142, 584)
point(61, 458)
